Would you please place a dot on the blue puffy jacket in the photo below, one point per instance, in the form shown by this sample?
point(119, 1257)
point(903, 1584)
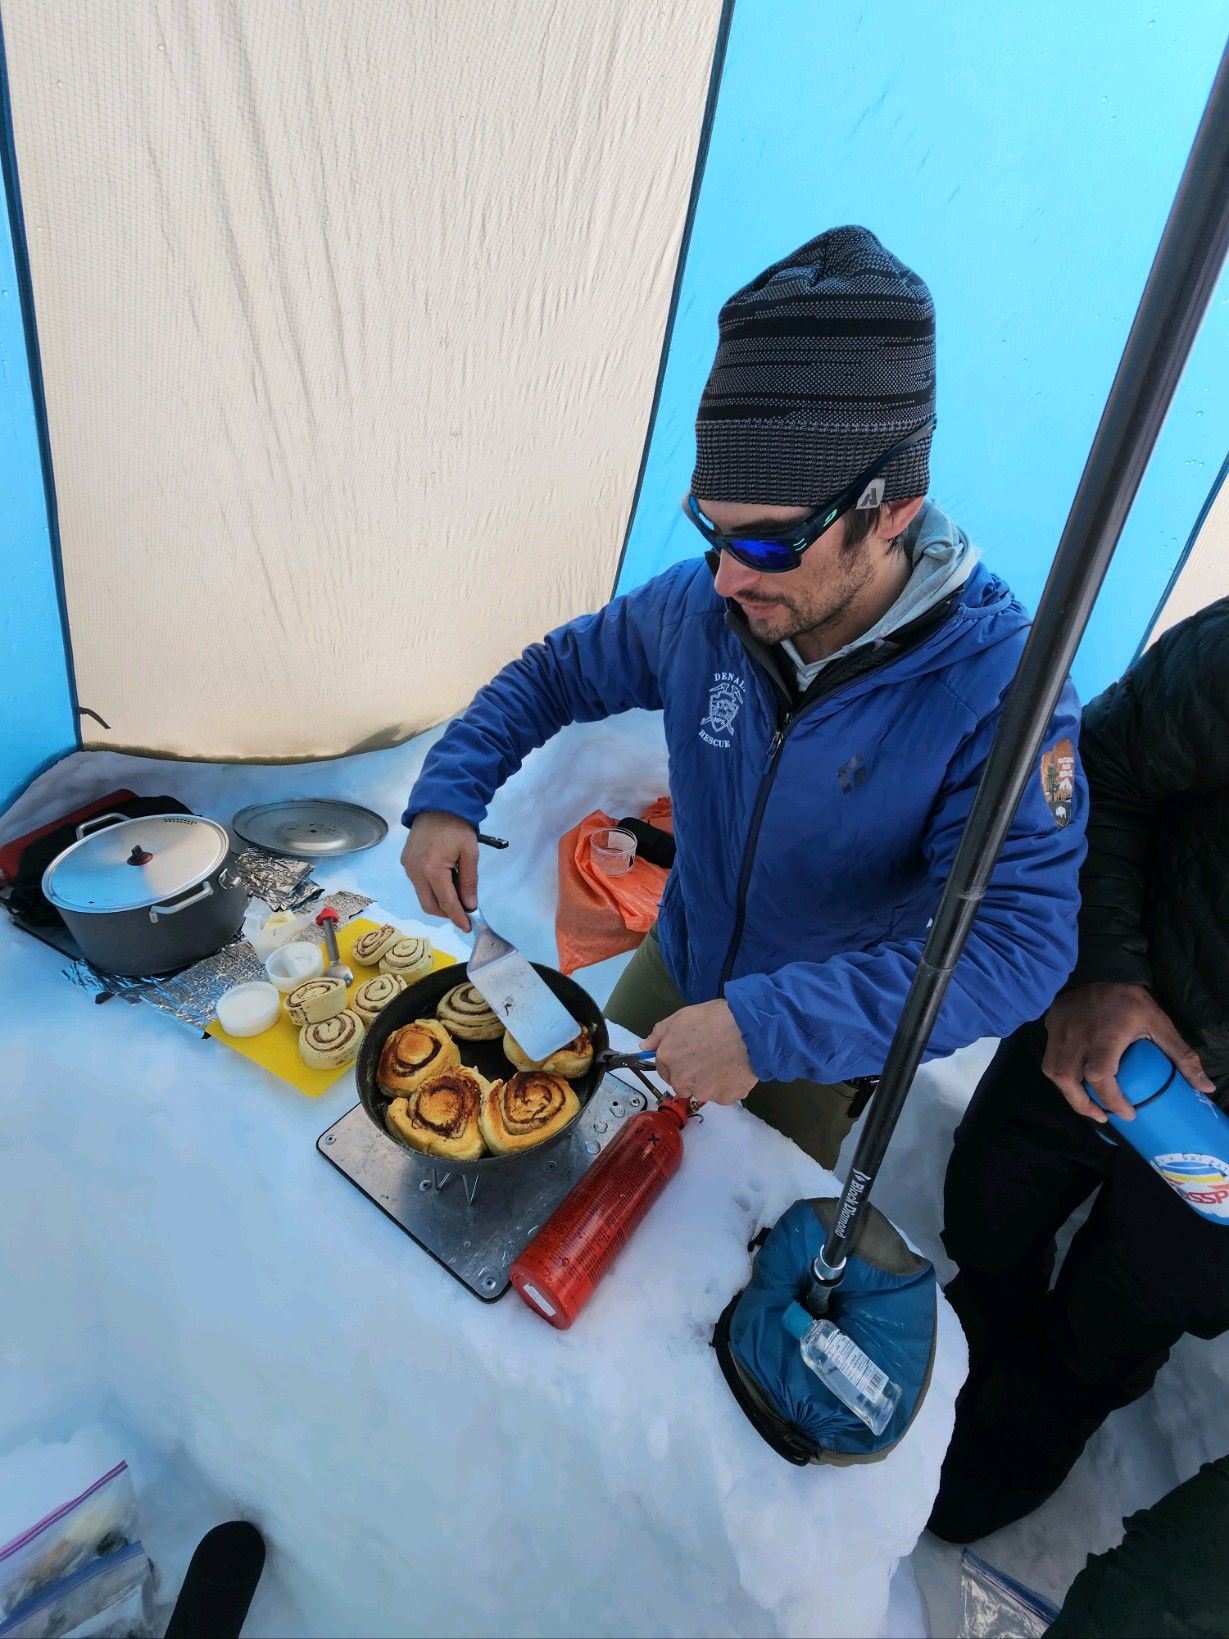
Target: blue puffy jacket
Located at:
point(813, 836)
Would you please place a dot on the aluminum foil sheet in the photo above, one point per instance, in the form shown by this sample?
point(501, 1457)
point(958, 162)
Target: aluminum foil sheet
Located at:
point(192, 996)
point(280, 882)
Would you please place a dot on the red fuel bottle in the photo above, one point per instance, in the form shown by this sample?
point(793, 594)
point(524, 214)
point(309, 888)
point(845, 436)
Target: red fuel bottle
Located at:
point(558, 1271)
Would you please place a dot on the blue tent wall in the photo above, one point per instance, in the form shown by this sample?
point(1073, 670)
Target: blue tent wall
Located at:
point(1023, 160)
point(36, 695)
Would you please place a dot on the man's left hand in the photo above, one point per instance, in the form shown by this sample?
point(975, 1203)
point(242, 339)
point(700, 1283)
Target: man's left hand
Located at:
point(701, 1053)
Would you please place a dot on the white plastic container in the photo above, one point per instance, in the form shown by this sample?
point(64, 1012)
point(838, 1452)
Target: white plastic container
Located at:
point(289, 965)
point(273, 932)
point(250, 1009)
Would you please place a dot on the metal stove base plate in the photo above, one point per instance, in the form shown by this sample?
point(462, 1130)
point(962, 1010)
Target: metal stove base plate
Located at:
point(474, 1226)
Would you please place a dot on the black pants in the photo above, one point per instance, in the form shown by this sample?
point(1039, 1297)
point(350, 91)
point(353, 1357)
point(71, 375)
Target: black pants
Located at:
point(1143, 1270)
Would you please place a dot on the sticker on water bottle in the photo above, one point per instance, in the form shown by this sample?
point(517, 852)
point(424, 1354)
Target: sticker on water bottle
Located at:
point(1203, 1180)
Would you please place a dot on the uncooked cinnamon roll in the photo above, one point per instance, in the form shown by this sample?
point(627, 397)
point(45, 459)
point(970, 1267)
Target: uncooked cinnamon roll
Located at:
point(518, 1113)
point(412, 958)
point(413, 1055)
point(468, 1015)
point(374, 994)
point(441, 1117)
point(369, 948)
point(571, 1061)
point(314, 1000)
point(330, 1043)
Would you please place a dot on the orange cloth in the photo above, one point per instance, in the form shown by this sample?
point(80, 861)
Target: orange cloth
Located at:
point(599, 916)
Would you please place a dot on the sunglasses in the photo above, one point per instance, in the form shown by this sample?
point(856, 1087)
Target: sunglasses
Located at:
point(776, 551)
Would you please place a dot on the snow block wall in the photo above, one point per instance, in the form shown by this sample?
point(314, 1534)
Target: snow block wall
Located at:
point(1023, 159)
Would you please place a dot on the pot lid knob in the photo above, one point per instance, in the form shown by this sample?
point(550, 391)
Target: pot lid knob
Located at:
point(139, 856)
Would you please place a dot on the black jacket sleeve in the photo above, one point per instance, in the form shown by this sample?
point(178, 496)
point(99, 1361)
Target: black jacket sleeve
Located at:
point(1157, 733)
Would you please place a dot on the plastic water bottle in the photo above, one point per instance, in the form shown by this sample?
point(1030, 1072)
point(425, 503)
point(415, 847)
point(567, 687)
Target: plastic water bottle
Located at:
point(844, 1368)
point(1176, 1129)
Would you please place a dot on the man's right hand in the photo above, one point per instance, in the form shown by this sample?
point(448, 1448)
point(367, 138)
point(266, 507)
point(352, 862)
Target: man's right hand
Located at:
point(437, 845)
point(1091, 1027)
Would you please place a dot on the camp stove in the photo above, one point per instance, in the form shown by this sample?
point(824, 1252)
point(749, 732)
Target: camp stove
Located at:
point(476, 1225)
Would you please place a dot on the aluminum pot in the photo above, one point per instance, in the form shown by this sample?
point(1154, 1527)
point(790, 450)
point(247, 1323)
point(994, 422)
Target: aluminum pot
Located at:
point(145, 896)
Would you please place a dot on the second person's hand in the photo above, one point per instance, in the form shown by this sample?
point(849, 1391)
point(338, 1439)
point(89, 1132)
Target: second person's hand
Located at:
point(1091, 1026)
point(438, 845)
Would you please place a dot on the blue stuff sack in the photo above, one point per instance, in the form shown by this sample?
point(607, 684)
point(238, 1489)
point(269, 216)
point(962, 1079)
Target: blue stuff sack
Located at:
point(886, 1303)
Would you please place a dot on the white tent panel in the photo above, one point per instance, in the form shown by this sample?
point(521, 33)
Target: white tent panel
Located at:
point(350, 314)
point(1204, 576)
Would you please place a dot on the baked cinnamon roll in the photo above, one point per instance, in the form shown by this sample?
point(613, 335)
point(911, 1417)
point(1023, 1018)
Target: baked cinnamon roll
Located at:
point(571, 1060)
point(374, 994)
point(413, 1055)
point(520, 1112)
point(441, 1117)
point(411, 957)
point(314, 1000)
point(370, 946)
point(330, 1043)
point(464, 1013)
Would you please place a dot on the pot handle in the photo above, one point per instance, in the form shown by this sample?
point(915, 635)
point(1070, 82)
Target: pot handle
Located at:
point(203, 892)
point(89, 825)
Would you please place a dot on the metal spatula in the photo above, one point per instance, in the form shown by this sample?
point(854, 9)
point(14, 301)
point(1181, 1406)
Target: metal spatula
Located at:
point(523, 1000)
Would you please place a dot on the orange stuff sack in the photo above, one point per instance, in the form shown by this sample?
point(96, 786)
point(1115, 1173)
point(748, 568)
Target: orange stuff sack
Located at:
point(600, 916)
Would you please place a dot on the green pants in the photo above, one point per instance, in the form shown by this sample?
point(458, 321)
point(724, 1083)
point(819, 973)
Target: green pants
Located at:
point(814, 1114)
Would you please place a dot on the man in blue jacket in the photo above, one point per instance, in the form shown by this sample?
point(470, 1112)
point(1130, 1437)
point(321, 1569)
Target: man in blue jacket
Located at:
point(830, 672)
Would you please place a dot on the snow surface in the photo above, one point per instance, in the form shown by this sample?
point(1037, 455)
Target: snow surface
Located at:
point(182, 1267)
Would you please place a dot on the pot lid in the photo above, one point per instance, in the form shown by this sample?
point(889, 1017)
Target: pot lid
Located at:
point(136, 863)
point(310, 827)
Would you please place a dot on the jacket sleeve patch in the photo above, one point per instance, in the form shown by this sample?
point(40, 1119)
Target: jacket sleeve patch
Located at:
point(1058, 781)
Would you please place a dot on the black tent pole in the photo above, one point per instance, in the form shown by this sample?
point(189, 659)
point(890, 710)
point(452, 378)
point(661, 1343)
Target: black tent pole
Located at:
point(1180, 286)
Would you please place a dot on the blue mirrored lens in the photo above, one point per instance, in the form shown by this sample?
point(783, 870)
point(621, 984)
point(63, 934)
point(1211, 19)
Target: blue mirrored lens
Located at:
point(766, 556)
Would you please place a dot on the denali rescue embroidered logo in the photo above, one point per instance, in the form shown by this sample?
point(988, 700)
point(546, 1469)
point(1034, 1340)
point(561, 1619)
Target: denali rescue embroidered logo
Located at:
point(724, 700)
point(1058, 781)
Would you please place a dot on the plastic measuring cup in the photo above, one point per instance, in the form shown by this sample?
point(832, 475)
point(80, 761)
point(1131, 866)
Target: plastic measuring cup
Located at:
point(613, 851)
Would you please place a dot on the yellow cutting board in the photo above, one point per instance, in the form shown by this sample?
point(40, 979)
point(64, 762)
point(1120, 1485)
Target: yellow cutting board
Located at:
point(277, 1049)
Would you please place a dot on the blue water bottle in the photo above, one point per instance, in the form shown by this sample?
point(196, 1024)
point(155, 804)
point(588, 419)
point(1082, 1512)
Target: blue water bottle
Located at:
point(1177, 1130)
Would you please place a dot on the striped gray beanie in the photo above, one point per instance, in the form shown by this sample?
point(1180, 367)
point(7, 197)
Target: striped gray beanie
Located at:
point(823, 363)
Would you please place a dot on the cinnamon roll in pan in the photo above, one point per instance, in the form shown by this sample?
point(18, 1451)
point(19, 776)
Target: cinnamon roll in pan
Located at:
point(330, 1043)
point(369, 947)
point(441, 1118)
point(525, 1110)
point(413, 1055)
point(374, 995)
point(571, 1060)
point(418, 1004)
point(465, 1014)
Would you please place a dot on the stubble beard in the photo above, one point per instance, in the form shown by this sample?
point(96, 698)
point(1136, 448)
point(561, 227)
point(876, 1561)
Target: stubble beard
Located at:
point(793, 619)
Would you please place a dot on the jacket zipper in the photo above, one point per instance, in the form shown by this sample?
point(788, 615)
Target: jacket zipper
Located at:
point(793, 712)
point(757, 817)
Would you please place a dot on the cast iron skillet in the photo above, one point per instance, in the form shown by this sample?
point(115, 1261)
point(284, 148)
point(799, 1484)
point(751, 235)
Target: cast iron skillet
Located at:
point(487, 1057)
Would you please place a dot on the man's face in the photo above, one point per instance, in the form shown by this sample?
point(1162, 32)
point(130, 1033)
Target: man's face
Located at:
point(816, 594)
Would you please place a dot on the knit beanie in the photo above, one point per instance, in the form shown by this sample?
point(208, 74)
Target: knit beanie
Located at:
point(823, 363)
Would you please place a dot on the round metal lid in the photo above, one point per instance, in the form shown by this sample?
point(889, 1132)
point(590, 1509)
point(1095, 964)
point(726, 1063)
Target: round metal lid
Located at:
point(310, 827)
point(136, 863)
